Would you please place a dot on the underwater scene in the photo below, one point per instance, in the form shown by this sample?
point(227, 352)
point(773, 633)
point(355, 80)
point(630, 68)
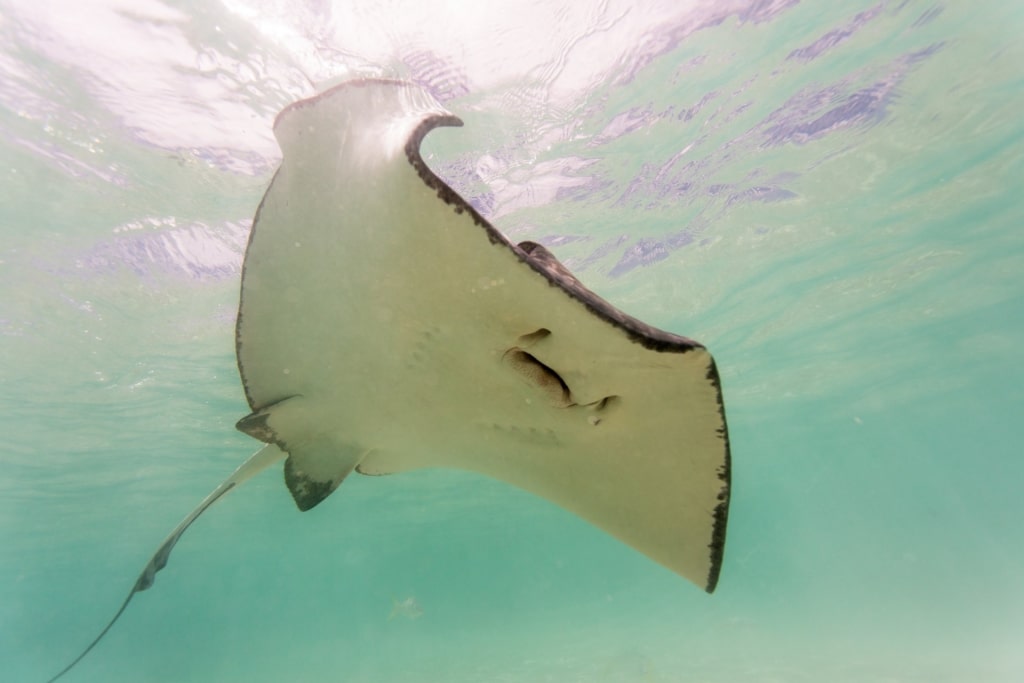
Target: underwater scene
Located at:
point(827, 196)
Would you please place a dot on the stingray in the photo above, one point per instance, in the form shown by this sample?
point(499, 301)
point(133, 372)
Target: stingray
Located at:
point(384, 325)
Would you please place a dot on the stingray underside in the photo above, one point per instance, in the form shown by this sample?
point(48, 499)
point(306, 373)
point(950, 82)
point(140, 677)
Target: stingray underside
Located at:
point(384, 326)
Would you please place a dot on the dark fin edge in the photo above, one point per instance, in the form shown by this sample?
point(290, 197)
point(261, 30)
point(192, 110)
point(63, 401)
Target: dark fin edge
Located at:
point(721, 511)
point(636, 330)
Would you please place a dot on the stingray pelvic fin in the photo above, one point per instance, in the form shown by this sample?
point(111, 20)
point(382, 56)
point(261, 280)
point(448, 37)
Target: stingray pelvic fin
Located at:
point(316, 464)
point(314, 469)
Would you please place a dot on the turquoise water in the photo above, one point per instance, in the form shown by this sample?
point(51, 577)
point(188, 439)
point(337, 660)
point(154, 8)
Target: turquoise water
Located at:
point(826, 194)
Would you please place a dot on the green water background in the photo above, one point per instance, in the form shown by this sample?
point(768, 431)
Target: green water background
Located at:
point(867, 323)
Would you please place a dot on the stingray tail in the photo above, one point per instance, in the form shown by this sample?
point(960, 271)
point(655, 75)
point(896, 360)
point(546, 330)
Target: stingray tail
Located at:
point(262, 459)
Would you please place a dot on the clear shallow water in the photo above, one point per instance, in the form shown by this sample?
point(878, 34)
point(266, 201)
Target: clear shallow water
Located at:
point(826, 195)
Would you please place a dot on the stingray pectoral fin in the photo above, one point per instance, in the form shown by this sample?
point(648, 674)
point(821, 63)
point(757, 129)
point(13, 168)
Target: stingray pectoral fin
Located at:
point(259, 461)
